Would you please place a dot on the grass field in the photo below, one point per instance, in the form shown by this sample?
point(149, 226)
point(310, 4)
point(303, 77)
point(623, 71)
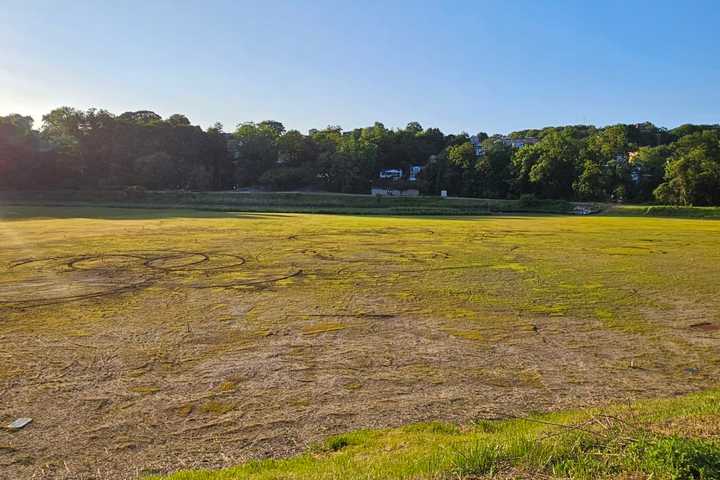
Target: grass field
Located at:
point(147, 341)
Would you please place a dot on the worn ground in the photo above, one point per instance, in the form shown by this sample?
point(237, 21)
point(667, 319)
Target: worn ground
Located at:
point(145, 341)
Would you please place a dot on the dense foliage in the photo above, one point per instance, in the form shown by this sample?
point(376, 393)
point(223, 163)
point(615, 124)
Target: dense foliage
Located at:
point(97, 149)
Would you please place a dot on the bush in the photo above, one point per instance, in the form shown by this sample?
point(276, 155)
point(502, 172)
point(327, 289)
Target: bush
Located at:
point(528, 200)
point(285, 178)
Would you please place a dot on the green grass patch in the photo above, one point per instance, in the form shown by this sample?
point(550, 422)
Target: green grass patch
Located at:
point(216, 407)
point(615, 442)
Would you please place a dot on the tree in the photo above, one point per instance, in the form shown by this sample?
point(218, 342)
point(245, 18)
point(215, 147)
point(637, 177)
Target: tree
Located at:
point(549, 167)
point(257, 151)
point(16, 149)
point(295, 149)
point(218, 158)
point(83, 140)
point(273, 126)
point(23, 125)
point(462, 157)
point(494, 170)
point(592, 182)
point(178, 120)
point(141, 117)
point(156, 171)
point(648, 135)
point(648, 170)
point(414, 128)
point(604, 171)
point(692, 175)
point(97, 149)
point(62, 127)
point(350, 167)
point(689, 129)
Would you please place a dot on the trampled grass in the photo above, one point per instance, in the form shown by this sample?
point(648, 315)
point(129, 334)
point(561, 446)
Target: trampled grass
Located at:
point(233, 336)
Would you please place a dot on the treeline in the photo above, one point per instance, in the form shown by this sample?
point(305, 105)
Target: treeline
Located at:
point(99, 150)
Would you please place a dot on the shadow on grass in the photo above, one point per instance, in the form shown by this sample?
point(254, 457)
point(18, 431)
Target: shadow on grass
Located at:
point(112, 212)
point(10, 212)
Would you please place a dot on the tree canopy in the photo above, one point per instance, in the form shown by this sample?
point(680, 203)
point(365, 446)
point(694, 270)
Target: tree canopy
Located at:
point(97, 149)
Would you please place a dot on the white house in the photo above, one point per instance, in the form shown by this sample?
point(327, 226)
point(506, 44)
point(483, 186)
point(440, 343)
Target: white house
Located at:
point(477, 145)
point(391, 173)
point(519, 142)
point(414, 171)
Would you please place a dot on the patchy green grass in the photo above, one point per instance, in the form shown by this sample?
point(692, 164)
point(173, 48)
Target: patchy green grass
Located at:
point(643, 440)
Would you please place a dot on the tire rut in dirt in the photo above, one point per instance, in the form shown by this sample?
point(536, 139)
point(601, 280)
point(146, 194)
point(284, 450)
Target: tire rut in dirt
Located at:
point(145, 267)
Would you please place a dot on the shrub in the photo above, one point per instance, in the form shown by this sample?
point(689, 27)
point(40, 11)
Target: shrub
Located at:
point(528, 200)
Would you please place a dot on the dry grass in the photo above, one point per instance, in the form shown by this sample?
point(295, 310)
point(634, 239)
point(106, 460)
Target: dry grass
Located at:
point(154, 341)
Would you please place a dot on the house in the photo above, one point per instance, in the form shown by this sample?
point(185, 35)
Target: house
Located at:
point(477, 145)
point(414, 171)
point(391, 173)
point(518, 142)
point(392, 184)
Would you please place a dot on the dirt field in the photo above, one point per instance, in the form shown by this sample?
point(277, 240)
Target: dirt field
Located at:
point(148, 341)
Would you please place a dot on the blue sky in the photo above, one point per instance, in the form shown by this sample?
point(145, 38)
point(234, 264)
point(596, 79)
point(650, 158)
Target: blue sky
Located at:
point(470, 66)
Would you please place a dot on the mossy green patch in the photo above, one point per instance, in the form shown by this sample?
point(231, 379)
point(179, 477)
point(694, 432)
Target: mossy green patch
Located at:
point(322, 327)
point(216, 407)
point(144, 389)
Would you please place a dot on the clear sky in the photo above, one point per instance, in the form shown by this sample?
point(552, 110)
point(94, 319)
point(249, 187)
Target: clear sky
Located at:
point(492, 66)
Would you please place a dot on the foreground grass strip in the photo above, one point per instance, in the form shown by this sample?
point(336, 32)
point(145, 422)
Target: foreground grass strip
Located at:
point(676, 438)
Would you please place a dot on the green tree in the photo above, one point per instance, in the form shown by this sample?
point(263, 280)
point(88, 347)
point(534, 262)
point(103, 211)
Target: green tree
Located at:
point(592, 182)
point(295, 149)
point(549, 167)
point(462, 155)
point(178, 120)
point(350, 167)
point(692, 175)
point(648, 170)
point(156, 171)
point(494, 170)
point(273, 126)
point(16, 150)
point(257, 151)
